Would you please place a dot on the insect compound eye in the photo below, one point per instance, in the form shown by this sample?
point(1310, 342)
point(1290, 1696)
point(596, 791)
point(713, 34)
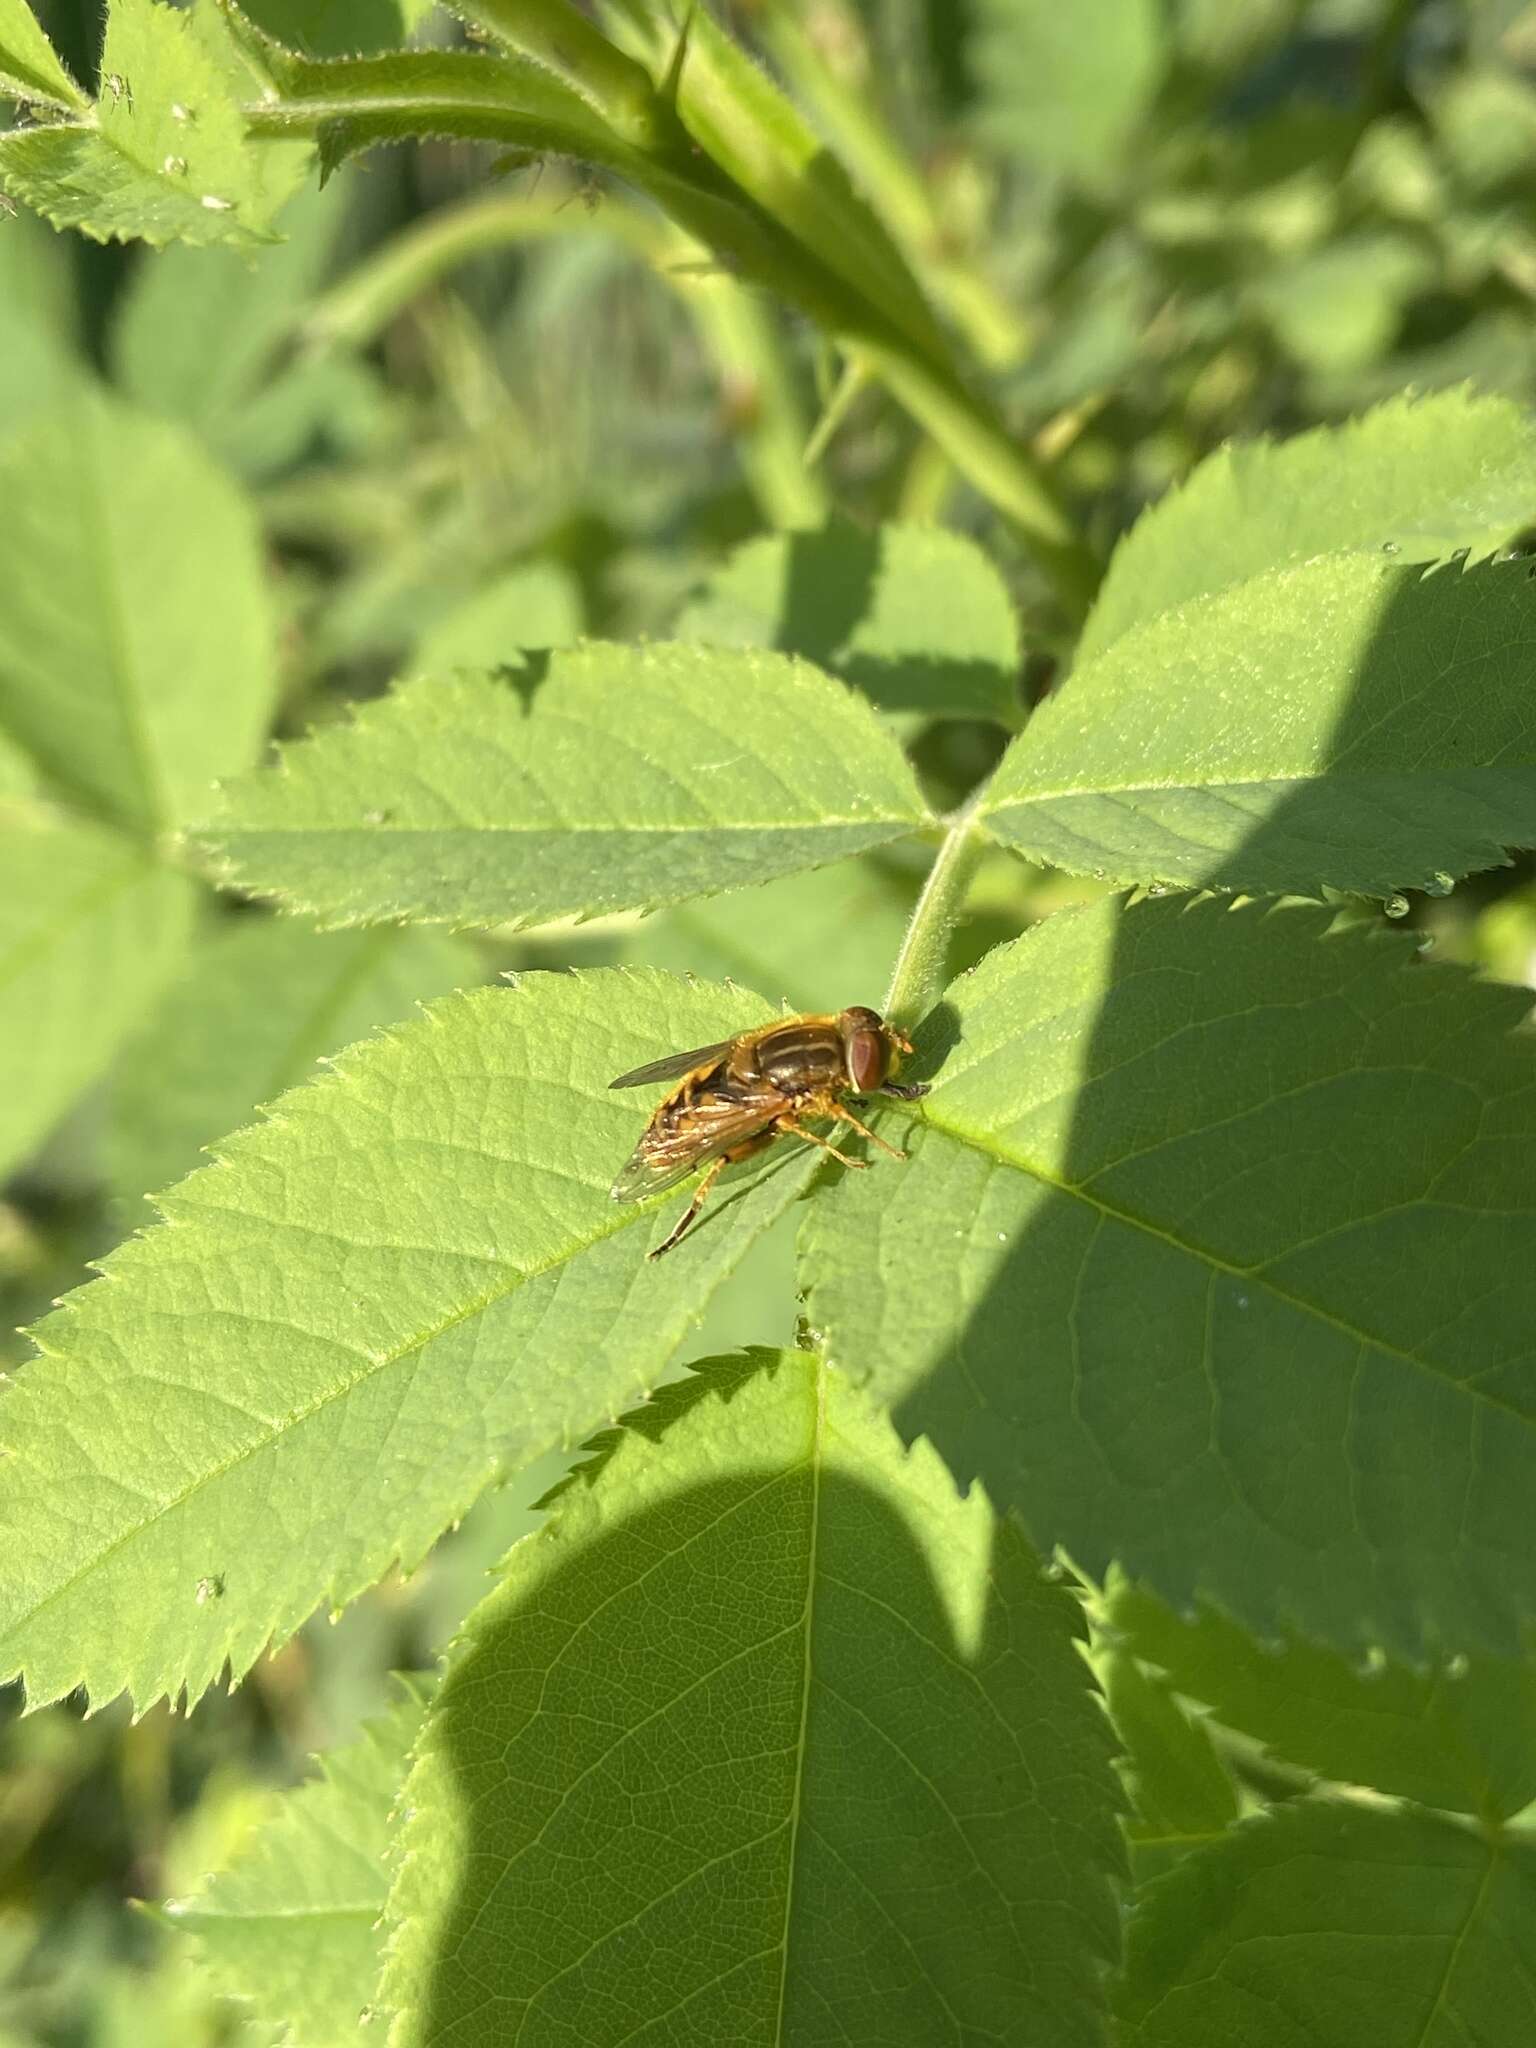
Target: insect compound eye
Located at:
point(868, 1059)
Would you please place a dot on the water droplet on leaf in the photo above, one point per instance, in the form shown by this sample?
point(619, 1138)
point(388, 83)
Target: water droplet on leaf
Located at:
point(1395, 906)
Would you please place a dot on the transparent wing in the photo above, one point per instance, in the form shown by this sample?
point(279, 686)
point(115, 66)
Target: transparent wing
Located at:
point(714, 1125)
point(673, 1067)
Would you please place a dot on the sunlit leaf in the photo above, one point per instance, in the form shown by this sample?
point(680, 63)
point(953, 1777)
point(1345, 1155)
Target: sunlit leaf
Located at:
point(1181, 1792)
point(291, 1927)
point(29, 65)
point(915, 617)
point(136, 657)
point(408, 1282)
point(1334, 1925)
point(595, 779)
point(771, 1737)
point(1337, 724)
point(90, 932)
point(1061, 89)
point(254, 1011)
point(1417, 478)
point(1211, 1257)
point(165, 157)
point(537, 604)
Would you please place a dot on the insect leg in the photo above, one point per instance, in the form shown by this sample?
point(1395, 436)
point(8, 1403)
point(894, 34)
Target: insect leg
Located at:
point(811, 1138)
point(711, 1175)
point(847, 1116)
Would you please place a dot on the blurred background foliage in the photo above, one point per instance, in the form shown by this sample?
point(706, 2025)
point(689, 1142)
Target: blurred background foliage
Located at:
point(483, 403)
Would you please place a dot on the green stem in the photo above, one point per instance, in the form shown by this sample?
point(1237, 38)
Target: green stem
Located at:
point(556, 34)
point(922, 966)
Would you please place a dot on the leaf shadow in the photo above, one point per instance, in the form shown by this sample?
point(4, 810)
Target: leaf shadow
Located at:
point(1122, 1377)
point(646, 1767)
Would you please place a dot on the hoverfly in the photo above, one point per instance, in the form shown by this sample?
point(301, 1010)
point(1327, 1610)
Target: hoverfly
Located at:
point(735, 1098)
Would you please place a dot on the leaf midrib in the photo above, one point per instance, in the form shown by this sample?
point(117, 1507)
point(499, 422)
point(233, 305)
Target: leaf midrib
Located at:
point(563, 828)
point(479, 1306)
point(1252, 1276)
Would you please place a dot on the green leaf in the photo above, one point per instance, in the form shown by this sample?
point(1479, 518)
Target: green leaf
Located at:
point(258, 1007)
point(410, 1282)
point(1327, 1925)
point(915, 617)
point(1416, 478)
point(1059, 91)
point(291, 1928)
point(1337, 724)
point(1210, 1256)
point(196, 332)
point(331, 28)
point(600, 778)
point(136, 658)
point(89, 934)
point(1179, 1787)
point(29, 65)
point(537, 604)
point(39, 357)
point(1461, 1736)
point(848, 1780)
point(816, 942)
point(165, 158)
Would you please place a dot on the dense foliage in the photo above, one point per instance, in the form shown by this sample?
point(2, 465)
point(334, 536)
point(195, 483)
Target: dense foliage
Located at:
point(1019, 522)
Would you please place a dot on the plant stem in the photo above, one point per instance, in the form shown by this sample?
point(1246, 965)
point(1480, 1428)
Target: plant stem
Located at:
point(921, 970)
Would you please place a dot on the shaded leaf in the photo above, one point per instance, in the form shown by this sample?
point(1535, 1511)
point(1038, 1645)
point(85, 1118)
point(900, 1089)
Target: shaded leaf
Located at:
point(1417, 478)
point(599, 778)
point(136, 658)
point(851, 1777)
point(291, 1927)
point(1180, 1790)
point(1460, 1736)
point(915, 617)
point(1308, 1394)
point(1332, 1925)
point(258, 1007)
point(90, 932)
point(407, 1283)
point(1337, 724)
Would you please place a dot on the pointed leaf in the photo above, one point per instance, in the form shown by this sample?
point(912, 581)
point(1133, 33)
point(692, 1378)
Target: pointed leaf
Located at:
point(29, 65)
point(1181, 1791)
point(136, 658)
point(257, 1007)
point(1338, 724)
point(1417, 478)
point(846, 1779)
point(166, 157)
point(291, 1928)
point(409, 1281)
point(915, 617)
point(90, 932)
point(614, 778)
point(1211, 1257)
point(1461, 1735)
point(1334, 1925)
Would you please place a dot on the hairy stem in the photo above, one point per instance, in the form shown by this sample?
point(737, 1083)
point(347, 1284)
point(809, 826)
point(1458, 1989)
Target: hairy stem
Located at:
point(921, 971)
